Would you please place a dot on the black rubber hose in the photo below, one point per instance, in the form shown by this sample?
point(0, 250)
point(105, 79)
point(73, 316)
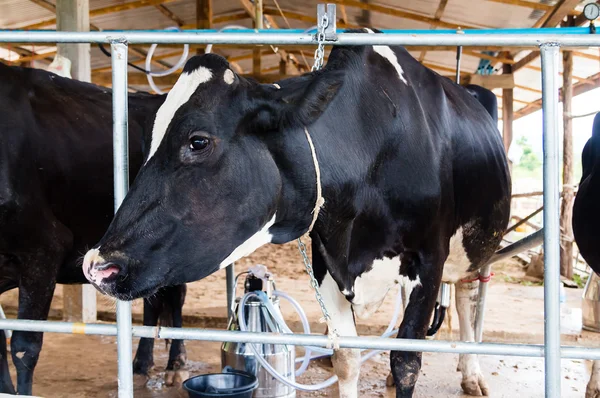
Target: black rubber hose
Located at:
point(438, 318)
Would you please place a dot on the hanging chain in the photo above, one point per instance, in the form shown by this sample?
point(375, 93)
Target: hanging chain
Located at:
point(313, 281)
point(319, 58)
point(320, 51)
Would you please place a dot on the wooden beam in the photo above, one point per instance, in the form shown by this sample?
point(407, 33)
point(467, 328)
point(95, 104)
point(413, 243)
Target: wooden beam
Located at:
point(581, 54)
point(532, 5)
point(101, 11)
point(396, 12)
point(566, 210)
point(580, 78)
point(258, 24)
point(507, 111)
point(554, 17)
point(79, 301)
point(45, 4)
point(533, 90)
point(141, 61)
point(481, 55)
point(344, 17)
point(526, 60)
point(169, 14)
point(204, 14)
point(438, 16)
point(591, 83)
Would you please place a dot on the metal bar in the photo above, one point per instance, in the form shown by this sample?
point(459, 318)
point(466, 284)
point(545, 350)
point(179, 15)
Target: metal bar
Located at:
point(528, 242)
point(521, 245)
point(379, 343)
point(8, 333)
point(121, 184)
point(458, 57)
point(485, 272)
point(230, 281)
point(549, 57)
point(290, 37)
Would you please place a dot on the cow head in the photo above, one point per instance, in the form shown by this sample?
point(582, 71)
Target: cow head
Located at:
point(228, 169)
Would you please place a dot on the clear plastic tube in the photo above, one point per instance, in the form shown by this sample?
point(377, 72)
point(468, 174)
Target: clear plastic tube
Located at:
point(305, 361)
point(179, 64)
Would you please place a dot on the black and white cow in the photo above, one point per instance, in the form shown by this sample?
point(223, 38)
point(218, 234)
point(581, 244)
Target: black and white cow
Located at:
point(586, 218)
point(413, 176)
point(56, 200)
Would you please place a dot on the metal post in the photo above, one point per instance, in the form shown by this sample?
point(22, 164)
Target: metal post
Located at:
point(121, 184)
point(458, 57)
point(549, 57)
point(484, 273)
point(230, 275)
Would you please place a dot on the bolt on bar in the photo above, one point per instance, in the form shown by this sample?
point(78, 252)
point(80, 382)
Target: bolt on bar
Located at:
point(121, 184)
point(549, 57)
point(379, 343)
point(283, 37)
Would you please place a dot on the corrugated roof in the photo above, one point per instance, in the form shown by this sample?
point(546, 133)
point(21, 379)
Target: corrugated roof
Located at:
point(383, 14)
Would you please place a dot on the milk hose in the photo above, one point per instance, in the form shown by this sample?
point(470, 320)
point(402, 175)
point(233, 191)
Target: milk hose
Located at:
point(306, 326)
point(179, 64)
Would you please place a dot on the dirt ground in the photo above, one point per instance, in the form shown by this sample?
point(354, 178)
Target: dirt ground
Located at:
point(85, 366)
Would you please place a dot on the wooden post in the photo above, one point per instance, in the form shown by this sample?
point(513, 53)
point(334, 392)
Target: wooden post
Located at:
point(507, 111)
point(258, 24)
point(204, 17)
point(566, 211)
point(79, 301)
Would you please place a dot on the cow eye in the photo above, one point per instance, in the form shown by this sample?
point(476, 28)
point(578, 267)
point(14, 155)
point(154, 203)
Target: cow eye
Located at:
point(198, 143)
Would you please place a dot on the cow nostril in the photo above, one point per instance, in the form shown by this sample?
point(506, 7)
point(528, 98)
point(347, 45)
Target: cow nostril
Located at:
point(107, 271)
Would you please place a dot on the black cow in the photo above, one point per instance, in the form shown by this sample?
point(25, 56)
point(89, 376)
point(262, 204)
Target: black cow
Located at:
point(56, 200)
point(586, 218)
point(412, 170)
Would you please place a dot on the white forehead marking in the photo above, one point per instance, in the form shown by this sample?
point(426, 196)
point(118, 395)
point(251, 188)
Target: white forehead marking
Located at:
point(387, 53)
point(277, 86)
point(228, 76)
point(257, 240)
point(181, 92)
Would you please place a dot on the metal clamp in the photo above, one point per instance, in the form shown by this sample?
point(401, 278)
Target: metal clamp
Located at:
point(330, 28)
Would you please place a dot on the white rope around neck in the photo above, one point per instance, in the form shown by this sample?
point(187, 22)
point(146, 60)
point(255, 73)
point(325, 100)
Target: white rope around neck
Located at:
point(320, 201)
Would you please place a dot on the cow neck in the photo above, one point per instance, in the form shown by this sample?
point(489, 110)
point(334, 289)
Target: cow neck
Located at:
point(320, 201)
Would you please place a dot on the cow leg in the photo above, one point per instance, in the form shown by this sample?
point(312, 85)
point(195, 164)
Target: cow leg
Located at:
point(35, 296)
point(6, 385)
point(427, 270)
point(346, 361)
point(593, 387)
point(144, 356)
point(473, 382)
point(175, 298)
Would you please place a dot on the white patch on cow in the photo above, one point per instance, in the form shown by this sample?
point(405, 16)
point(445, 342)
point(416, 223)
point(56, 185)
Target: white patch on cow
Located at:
point(346, 362)
point(593, 386)
point(20, 354)
point(371, 287)
point(260, 238)
point(277, 86)
point(229, 77)
point(181, 92)
point(473, 382)
point(387, 53)
point(457, 264)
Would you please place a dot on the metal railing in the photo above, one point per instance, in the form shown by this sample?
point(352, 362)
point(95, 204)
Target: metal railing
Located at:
point(548, 44)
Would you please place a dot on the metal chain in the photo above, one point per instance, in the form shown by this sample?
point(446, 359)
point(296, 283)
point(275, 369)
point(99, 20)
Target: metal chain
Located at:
point(320, 51)
point(313, 280)
point(319, 58)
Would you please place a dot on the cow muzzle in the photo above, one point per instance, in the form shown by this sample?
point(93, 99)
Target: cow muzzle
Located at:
point(99, 271)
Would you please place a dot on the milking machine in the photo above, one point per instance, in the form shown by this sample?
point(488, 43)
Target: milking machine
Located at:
point(258, 310)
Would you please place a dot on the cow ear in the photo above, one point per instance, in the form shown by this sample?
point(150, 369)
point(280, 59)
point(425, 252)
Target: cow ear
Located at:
point(311, 104)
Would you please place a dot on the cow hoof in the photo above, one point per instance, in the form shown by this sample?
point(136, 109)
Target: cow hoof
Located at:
point(139, 379)
point(475, 385)
point(389, 381)
point(592, 390)
point(176, 377)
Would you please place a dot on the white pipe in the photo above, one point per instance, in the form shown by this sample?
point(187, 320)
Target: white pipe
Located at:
point(175, 68)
